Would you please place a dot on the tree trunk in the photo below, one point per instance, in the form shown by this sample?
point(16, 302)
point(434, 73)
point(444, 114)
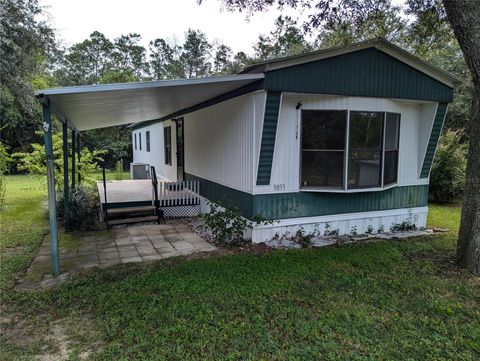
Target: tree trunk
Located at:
point(464, 17)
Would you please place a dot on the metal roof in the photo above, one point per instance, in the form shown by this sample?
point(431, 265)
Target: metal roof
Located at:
point(99, 106)
point(378, 43)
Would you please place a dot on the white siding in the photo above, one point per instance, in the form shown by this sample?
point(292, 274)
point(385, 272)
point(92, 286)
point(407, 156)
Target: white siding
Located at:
point(426, 118)
point(156, 155)
point(222, 141)
point(286, 163)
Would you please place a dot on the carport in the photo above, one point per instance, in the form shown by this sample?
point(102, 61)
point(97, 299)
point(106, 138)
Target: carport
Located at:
point(81, 108)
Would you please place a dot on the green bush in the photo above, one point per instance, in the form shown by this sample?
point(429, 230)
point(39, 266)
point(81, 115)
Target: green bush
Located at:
point(447, 178)
point(227, 223)
point(34, 162)
point(4, 160)
point(83, 209)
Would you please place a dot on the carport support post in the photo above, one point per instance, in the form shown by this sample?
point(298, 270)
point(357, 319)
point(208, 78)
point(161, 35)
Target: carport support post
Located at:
point(78, 156)
point(52, 207)
point(73, 158)
point(66, 209)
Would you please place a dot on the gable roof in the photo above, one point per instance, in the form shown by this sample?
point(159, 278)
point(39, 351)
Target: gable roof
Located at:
point(378, 43)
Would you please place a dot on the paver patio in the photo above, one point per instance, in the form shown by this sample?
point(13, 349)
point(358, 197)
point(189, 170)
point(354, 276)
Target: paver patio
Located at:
point(140, 243)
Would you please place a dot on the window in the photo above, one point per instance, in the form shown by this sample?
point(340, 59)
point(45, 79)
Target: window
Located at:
point(323, 148)
point(135, 140)
point(365, 150)
point(349, 150)
point(147, 140)
point(140, 140)
point(392, 136)
point(167, 141)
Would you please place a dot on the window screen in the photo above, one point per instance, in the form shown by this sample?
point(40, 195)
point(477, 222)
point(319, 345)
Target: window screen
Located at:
point(365, 149)
point(140, 140)
point(392, 136)
point(323, 148)
point(135, 140)
point(147, 140)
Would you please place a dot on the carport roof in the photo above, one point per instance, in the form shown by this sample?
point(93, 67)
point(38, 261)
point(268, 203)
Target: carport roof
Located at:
point(98, 106)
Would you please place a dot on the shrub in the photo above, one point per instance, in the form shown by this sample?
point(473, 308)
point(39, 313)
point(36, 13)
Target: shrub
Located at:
point(227, 223)
point(4, 159)
point(447, 178)
point(118, 175)
point(34, 162)
point(83, 209)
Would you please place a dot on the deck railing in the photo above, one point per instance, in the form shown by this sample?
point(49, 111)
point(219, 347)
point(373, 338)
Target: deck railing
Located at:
point(182, 193)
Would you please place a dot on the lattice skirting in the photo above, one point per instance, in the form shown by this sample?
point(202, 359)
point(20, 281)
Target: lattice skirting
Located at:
point(181, 211)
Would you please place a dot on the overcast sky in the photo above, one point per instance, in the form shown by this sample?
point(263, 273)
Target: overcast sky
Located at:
point(75, 20)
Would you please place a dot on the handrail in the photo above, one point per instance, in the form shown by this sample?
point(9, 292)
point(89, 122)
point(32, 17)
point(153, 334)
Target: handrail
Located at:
point(105, 195)
point(153, 176)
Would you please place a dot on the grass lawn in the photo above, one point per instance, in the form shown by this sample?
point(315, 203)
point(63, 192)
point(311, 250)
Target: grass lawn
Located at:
point(375, 301)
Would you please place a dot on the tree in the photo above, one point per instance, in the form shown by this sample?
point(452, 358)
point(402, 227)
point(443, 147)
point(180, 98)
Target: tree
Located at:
point(384, 22)
point(196, 54)
point(221, 62)
point(286, 39)
point(464, 18)
point(129, 56)
point(165, 60)
point(27, 48)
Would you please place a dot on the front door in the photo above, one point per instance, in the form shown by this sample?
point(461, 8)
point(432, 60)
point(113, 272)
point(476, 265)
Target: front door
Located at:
point(180, 150)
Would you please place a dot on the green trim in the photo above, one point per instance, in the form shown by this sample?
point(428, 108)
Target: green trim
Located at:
point(217, 192)
point(267, 146)
point(433, 140)
point(249, 88)
point(369, 72)
point(311, 204)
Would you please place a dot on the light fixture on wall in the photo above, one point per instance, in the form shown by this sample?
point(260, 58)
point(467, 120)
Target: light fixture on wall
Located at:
point(299, 105)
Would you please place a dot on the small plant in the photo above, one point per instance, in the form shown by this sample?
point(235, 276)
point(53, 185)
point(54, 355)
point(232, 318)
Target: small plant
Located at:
point(304, 240)
point(353, 231)
point(409, 224)
point(369, 230)
point(118, 175)
point(227, 224)
point(83, 209)
point(381, 229)
point(329, 232)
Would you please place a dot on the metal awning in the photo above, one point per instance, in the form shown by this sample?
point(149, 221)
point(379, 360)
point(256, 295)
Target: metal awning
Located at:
point(105, 105)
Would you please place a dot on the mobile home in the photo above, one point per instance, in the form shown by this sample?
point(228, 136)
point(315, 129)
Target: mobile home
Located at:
point(337, 139)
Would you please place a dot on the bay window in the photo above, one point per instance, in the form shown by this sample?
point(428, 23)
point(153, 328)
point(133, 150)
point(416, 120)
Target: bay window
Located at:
point(345, 150)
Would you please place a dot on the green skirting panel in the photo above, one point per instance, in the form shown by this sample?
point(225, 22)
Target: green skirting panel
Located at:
point(311, 204)
point(219, 193)
point(269, 133)
point(433, 140)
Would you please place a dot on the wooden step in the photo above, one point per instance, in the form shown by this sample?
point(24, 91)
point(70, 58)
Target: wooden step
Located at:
point(115, 222)
point(122, 210)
